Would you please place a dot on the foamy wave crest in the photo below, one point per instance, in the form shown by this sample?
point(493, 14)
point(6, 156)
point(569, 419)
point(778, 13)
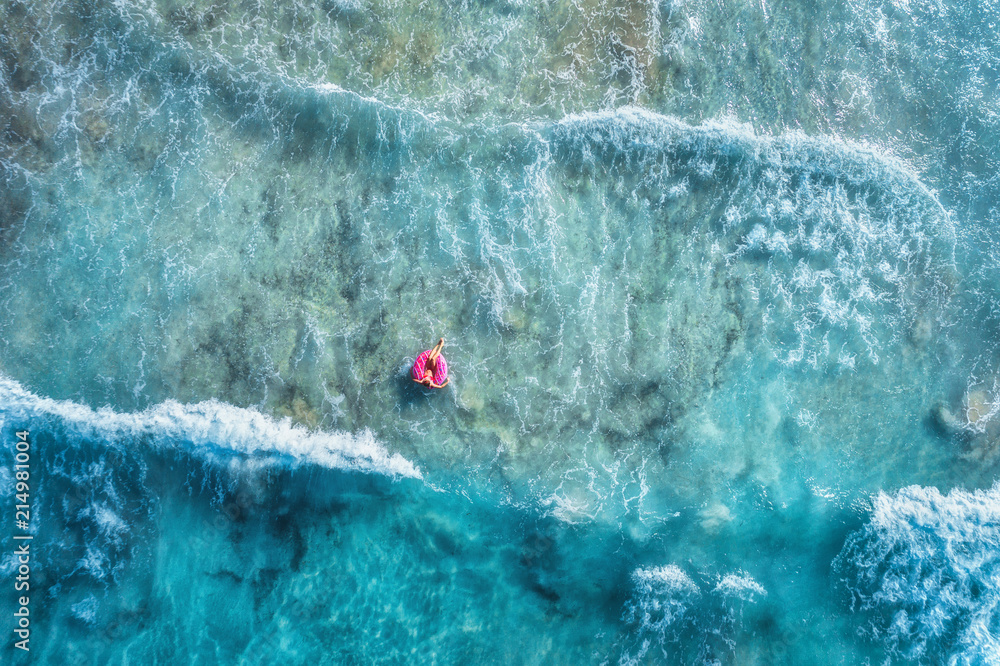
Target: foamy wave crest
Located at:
point(669, 608)
point(637, 130)
point(740, 586)
point(839, 244)
point(927, 567)
point(211, 428)
point(663, 596)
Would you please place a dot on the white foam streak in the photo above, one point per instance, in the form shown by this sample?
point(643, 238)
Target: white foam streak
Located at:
point(931, 563)
point(855, 242)
point(663, 596)
point(741, 586)
point(667, 605)
point(635, 127)
point(210, 428)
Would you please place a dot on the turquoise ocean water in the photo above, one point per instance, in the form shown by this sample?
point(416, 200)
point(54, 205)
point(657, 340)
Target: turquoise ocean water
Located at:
point(719, 288)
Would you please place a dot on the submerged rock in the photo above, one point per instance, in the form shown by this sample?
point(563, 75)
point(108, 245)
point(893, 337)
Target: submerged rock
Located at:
point(714, 517)
point(471, 399)
point(945, 420)
point(978, 407)
point(921, 332)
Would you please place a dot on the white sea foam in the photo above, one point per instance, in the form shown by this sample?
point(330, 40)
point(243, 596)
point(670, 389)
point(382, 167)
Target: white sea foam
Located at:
point(670, 578)
point(741, 586)
point(95, 562)
point(855, 241)
point(86, 610)
point(668, 606)
point(109, 523)
point(633, 127)
point(211, 428)
point(929, 566)
point(663, 596)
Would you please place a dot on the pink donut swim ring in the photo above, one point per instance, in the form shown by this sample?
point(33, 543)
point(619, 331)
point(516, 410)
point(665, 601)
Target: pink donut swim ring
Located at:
point(420, 367)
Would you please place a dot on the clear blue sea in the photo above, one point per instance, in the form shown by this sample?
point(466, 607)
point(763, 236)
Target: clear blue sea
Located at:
point(720, 288)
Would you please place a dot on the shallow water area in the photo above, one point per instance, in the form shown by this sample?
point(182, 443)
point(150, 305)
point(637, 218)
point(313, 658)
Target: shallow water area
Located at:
point(717, 284)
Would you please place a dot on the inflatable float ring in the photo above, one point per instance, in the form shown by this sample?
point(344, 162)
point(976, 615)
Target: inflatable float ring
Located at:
point(420, 367)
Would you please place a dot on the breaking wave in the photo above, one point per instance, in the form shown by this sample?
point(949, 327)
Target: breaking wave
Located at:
point(668, 608)
point(211, 429)
point(926, 567)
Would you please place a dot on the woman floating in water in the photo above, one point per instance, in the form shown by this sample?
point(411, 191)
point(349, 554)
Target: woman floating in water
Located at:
point(430, 368)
